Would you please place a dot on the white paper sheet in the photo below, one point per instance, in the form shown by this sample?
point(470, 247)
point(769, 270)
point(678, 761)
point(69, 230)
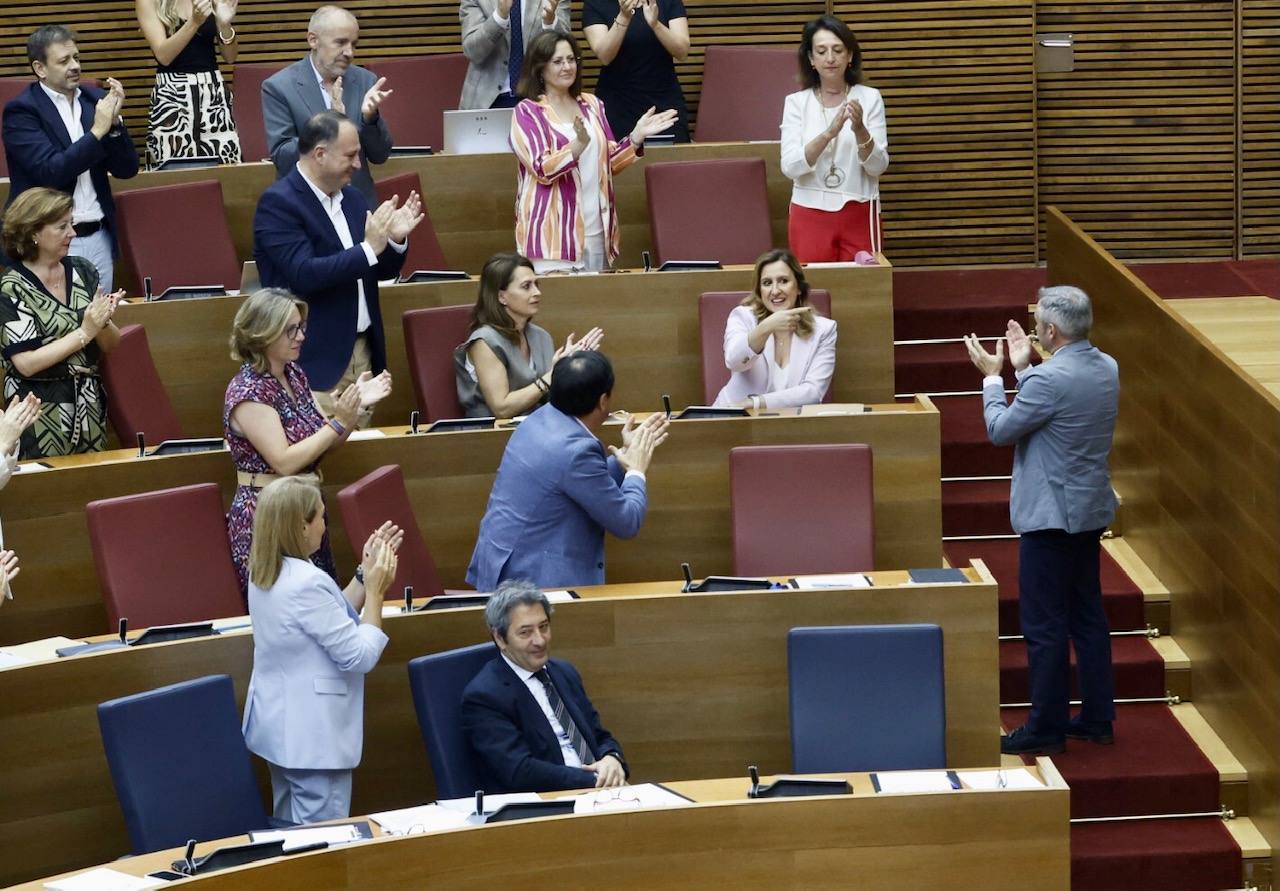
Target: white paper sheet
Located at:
point(843, 580)
point(231, 623)
point(427, 818)
point(467, 806)
point(626, 798)
point(35, 651)
point(356, 435)
point(559, 596)
point(1017, 778)
point(312, 835)
point(902, 781)
point(103, 879)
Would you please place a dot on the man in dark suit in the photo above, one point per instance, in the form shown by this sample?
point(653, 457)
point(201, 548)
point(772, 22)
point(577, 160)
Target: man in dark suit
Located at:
point(556, 493)
point(326, 79)
point(314, 235)
point(67, 136)
point(1061, 423)
point(526, 715)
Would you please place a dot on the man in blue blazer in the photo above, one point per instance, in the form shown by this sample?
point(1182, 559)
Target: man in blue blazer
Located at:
point(69, 136)
point(526, 716)
point(1061, 423)
point(323, 80)
point(557, 493)
point(314, 235)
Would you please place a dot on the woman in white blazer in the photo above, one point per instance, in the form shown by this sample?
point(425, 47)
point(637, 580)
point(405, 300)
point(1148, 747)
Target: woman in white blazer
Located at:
point(304, 712)
point(779, 351)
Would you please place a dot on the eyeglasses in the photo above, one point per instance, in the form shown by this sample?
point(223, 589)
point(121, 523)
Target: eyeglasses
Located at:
point(293, 332)
point(615, 799)
point(569, 62)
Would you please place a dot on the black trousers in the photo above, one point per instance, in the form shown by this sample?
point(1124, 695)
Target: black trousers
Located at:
point(1060, 602)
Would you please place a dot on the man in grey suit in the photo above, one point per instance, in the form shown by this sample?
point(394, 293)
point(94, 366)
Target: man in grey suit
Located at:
point(1061, 423)
point(326, 79)
point(557, 492)
point(487, 30)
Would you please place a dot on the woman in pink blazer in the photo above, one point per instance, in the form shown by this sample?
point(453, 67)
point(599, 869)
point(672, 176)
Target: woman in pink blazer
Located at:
point(779, 351)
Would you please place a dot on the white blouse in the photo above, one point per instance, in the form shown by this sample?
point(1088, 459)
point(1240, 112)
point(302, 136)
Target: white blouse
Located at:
point(803, 118)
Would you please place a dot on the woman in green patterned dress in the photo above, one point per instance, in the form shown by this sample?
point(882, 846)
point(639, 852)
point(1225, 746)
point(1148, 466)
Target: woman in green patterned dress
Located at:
point(55, 325)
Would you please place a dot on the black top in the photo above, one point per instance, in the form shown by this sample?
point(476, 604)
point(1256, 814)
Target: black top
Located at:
point(200, 53)
point(643, 73)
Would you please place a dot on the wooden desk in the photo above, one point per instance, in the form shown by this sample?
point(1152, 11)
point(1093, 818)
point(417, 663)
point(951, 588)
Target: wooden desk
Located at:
point(649, 663)
point(650, 321)
point(981, 840)
point(449, 476)
point(471, 199)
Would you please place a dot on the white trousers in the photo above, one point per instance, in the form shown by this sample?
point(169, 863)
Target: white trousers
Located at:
point(309, 796)
point(96, 248)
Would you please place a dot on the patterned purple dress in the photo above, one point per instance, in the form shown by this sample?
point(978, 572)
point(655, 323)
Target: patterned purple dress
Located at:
point(300, 418)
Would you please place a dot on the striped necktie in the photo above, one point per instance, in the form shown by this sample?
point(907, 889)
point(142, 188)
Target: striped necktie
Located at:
point(515, 60)
point(558, 709)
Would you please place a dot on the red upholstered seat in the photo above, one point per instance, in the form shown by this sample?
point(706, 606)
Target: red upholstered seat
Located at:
point(743, 88)
point(430, 336)
point(164, 557)
point(10, 87)
point(709, 210)
point(424, 247)
point(424, 88)
point(136, 399)
point(150, 221)
point(372, 500)
point(802, 509)
point(713, 314)
point(246, 107)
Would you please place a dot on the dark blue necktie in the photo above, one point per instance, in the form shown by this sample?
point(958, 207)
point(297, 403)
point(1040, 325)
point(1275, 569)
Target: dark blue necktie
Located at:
point(515, 61)
point(558, 709)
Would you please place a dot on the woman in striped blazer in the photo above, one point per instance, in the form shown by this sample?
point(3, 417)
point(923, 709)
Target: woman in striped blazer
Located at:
point(565, 218)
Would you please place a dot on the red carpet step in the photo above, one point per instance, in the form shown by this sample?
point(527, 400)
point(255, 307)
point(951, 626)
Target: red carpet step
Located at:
point(1170, 855)
point(1263, 276)
point(936, 303)
point(976, 507)
point(1153, 768)
point(1121, 598)
point(1221, 279)
point(966, 451)
point(939, 367)
point(1138, 669)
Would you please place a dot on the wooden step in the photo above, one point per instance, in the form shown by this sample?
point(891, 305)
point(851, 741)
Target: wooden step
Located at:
point(1232, 777)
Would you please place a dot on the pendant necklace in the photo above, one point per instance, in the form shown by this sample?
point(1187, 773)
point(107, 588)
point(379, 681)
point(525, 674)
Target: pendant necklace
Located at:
point(835, 176)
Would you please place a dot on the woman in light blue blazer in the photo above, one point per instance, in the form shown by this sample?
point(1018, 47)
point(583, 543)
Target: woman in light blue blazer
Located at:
point(312, 648)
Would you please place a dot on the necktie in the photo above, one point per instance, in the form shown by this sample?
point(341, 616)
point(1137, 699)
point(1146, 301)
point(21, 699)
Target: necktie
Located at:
point(515, 61)
point(576, 738)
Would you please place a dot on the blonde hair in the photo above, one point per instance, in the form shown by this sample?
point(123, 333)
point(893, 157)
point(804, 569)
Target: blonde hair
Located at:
point(259, 323)
point(283, 507)
point(27, 215)
point(167, 12)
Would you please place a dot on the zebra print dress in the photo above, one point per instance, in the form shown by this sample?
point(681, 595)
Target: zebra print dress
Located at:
point(190, 112)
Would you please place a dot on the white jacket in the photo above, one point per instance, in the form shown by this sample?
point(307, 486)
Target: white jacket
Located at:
point(803, 382)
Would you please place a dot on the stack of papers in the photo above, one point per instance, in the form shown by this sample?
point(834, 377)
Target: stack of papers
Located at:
point(103, 879)
point(843, 580)
point(908, 781)
point(312, 835)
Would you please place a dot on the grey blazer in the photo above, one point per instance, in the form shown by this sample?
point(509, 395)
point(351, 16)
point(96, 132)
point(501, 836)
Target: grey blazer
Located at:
point(1061, 420)
point(487, 46)
point(290, 97)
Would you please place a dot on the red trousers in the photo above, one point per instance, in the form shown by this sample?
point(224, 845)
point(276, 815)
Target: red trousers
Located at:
point(823, 236)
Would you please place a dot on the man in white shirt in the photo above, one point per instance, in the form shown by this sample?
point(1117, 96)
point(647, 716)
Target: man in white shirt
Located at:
point(314, 235)
point(526, 715)
point(67, 136)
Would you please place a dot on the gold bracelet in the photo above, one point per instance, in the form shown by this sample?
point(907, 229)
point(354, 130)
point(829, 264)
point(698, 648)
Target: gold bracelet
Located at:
point(84, 341)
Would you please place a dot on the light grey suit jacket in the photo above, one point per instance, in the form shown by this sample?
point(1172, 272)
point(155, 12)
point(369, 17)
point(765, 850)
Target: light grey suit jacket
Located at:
point(487, 46)
point(1062, 421)
point(290, 97)
point(305, 706)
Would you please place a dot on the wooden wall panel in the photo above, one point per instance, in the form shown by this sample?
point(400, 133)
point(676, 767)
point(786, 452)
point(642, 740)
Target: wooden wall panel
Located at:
point(958, 87)
point(1197, 462)
point(1137, 144)
point(1260, 127)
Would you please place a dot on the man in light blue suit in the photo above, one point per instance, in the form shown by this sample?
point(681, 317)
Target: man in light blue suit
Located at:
point(1061, 423)
point(557, 493)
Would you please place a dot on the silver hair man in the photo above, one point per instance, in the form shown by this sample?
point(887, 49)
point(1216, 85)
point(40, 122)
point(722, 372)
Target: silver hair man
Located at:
point(510, 594)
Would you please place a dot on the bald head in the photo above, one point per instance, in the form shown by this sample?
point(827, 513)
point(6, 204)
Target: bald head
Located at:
point(332, 35)
point(327, 16)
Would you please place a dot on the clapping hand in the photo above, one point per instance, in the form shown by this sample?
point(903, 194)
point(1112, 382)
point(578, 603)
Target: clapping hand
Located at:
point(377, 225)
point(107, 109)
point(590, 341)
point(652, 122)
point(581, 137)
point(549, 12)
point(627, 8)
point(388, 534)
point(981, 359)
point(335, 96)
point(201, 10)
point(21, 414)
point(650, 9)
point(843, 114)
point(1019, 345)
point(97, 315)
point(405, 218)
point(379, 569)
point(346, 406)
point(373, 389)
point(225, 11)
point(639, 441)
point(9, 570)
point(373, 100)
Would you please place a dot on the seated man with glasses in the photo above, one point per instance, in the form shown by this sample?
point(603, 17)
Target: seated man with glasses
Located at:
point(526, 715)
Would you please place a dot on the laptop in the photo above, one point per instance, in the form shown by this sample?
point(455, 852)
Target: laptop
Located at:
point(479, 131)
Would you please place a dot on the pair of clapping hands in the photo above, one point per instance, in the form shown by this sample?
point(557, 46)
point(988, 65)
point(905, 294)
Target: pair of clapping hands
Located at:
point(21, 414)
point(987, 363)
point(97, 315)
point(107, 110)
point(369, 105)
point(379, 561)
point(368, 390)
point(392, 221)
point(639, 440)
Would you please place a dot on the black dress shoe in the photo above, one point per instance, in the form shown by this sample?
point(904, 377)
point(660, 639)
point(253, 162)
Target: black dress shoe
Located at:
point(1099, 732)
point(1023, 742)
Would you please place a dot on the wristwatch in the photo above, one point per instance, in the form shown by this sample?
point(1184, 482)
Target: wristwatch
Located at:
point(360, 574)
